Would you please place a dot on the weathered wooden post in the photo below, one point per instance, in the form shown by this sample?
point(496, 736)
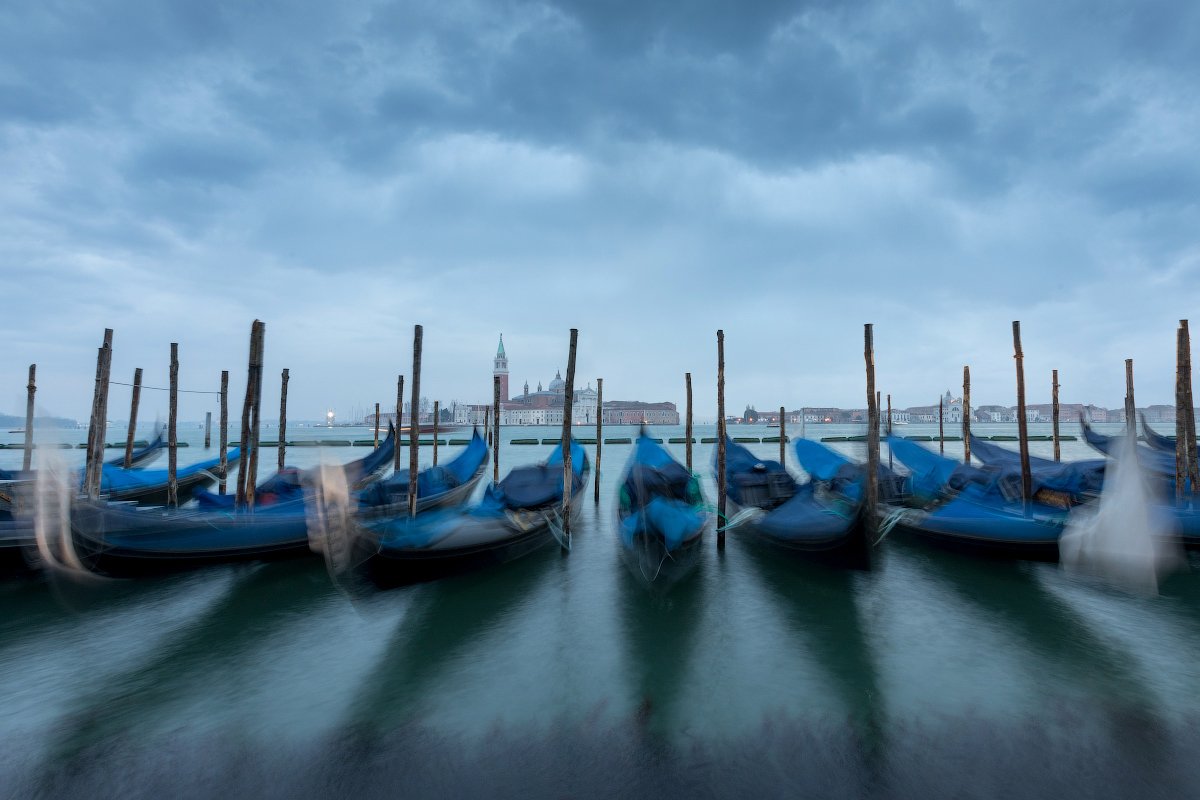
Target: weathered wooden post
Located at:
point(495, 432)
point(133, 417)
point(256, 412)
point(1190, 424)
point(244, 496)
point(721, 440)
point(27, 460)
point(283, 419)
point(889, 429)
point(414, 423)
point(941, 428)
point(1022, 422)
point(687, 428)
point(871, 519)
point(782, 437)
point(1130, 405)
point(98, 422)
point(436, 412)
point(1054, 412)
point(377, 426)
point(207, 430)
point(966, 415)
point(599, 434)
point(223, 435)
point(399, 420)
point(173, 429)
point(1181, 442)
point(568, 407)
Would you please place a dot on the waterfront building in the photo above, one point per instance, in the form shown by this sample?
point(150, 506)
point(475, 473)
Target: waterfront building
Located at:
point(500, 369)
point(635, 412)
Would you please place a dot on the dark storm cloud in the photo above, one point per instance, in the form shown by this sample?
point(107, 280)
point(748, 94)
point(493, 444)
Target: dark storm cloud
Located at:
point(643, 170)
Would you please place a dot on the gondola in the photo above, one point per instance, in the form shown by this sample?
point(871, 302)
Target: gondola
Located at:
point(972, 513)
point(148, 487)
point(1054, 483)
point(16, 543)
point(1159, 462)
point(446, 485)
point(290, 483)
point(661, 515)
point(142, 457)
point(768, 506)
point(518, 515)
point(122, 539)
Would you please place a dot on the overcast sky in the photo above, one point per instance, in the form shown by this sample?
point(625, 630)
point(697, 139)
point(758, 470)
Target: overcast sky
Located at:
point(646, 172)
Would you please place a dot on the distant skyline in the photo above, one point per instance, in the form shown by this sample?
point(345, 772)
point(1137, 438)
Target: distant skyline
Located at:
point(644, 171)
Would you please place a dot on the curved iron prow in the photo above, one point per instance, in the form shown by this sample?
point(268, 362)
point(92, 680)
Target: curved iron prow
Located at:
point(1155, 439)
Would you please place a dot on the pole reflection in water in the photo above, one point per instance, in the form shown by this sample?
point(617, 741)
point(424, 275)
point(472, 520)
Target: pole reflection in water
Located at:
point(257, 605)
point(820, 607)
point(443, 620)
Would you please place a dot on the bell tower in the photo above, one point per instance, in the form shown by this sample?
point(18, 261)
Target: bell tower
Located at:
point(500, 370)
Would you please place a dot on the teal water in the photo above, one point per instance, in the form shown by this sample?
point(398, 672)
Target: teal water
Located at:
point(560, 675)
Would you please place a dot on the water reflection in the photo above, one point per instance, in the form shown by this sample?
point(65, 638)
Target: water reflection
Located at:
point(442, 619)
point(660, 636)
point(253, 609)
point(1072, 655)
point(820, 607)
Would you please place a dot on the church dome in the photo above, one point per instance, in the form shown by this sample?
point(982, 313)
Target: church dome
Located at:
point(558, 385)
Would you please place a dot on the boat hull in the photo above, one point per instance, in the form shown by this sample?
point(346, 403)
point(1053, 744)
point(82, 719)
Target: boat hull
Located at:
point(1002, 537)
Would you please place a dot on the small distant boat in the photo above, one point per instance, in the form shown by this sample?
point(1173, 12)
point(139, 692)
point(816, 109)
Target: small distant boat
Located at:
point(661, 514)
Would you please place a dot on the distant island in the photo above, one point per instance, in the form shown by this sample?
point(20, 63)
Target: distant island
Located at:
point(9, 421)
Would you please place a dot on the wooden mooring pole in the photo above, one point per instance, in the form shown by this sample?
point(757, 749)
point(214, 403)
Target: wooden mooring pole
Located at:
point(173, 430)
point(223, 434)
point(377, 426)
point(399, 421)
point(568, 467)
point(1181, 441)
point(207, 430)
point(134, 401)
point(782, 437)
point(97, 426)
point(1130, 405)
point(599, 435)
point(436, 412)
point(966, 415)
point(1054, 413)
point(283, 419)
point(244, 492)
point(495, 432)
point(889, 429)
point(31, 389)
point(1190, 407)
point(941, 427)
point(721, 440)
point(871, 517)
point(256, 413)
point(414, 425)
point(1022, 422)
point(687, 428)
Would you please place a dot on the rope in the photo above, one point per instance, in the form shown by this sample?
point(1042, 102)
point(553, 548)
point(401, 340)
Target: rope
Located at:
point(663, 560)
point(165, 389)
point(889, 523)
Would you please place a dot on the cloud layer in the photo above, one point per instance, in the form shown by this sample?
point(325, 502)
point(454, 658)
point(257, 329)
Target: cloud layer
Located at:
point(646, 172)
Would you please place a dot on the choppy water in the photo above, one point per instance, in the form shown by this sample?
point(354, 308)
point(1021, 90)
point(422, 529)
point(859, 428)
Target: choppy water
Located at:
point(557, 675)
